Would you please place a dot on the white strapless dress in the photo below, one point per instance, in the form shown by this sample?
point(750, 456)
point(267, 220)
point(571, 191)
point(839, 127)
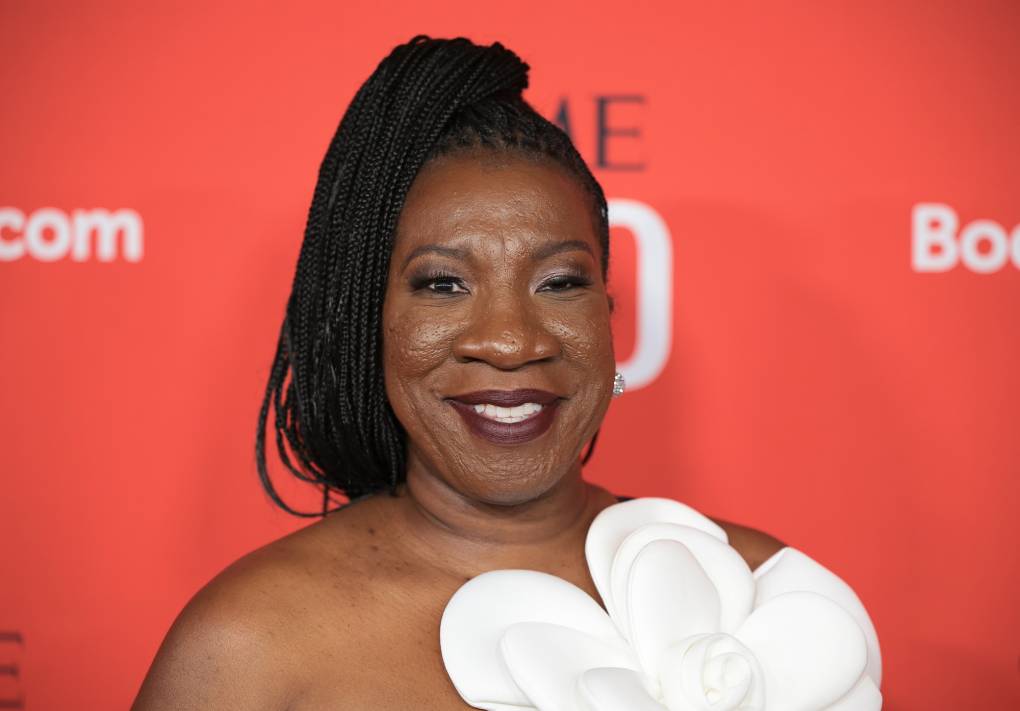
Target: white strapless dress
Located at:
point(689, 627)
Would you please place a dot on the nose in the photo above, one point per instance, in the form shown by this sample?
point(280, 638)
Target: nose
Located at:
point(506, 332)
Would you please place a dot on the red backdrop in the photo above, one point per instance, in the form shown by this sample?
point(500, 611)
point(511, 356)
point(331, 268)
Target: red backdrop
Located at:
point(834, 362)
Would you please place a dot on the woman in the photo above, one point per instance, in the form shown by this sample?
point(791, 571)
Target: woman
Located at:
point(445, 358)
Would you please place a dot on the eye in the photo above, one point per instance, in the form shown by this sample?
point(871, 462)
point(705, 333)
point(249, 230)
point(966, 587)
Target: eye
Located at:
point(438, 283)
point(565, 282)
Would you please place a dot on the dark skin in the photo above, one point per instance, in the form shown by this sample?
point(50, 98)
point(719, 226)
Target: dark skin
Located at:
point(494, 283)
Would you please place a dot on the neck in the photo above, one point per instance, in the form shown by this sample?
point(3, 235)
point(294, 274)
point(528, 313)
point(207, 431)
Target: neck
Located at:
point(471, 535)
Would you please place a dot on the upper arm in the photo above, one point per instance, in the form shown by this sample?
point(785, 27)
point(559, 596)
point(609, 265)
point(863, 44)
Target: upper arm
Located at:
point(754, 546)
point(222, 652)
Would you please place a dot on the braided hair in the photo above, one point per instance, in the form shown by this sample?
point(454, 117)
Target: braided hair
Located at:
point(430, 97)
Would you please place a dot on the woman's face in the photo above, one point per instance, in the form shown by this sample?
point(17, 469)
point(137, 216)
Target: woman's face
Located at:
point(498, 357)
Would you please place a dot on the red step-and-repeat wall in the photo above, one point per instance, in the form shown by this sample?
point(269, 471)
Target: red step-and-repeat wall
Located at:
point(816, 213)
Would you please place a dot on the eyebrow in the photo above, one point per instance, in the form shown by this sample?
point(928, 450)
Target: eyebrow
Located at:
point(544, 252)
point(570, 245)
point(454, 252)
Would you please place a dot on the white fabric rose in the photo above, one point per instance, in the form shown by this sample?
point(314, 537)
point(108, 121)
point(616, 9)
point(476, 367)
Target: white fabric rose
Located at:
point(689, 627)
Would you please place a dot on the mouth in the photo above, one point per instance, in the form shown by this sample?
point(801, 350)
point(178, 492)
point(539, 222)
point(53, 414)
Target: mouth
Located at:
point(507, 416)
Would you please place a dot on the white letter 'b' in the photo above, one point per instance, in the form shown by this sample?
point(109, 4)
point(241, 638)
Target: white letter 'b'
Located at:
point(934, 224)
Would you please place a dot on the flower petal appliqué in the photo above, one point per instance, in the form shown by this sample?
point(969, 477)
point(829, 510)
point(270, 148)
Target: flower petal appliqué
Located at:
point(615, 523)
point(546, 660)
point(481, 611)
point(669, 598)
point(811, 650)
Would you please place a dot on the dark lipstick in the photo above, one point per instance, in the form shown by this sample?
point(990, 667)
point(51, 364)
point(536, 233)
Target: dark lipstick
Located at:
point(506, 432)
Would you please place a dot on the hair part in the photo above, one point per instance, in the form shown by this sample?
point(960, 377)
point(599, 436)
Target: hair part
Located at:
point(333, 424)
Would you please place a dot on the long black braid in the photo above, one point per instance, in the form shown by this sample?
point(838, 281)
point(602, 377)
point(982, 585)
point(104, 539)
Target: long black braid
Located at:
point(430, 97)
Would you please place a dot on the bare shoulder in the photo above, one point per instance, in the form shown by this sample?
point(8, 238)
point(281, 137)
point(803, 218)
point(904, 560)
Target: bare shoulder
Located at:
point(244, 640)
point(754, 546)
point(228, 647)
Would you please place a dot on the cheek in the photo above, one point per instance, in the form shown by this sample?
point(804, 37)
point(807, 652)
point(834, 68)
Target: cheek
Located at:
point(414, 343)
point(586, 340)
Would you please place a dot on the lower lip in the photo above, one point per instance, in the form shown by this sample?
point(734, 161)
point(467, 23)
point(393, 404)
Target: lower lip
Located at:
point(507, 432)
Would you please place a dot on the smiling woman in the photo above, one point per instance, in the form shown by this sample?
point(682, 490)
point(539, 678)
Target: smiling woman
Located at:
point(496, 325)
point(445, 360)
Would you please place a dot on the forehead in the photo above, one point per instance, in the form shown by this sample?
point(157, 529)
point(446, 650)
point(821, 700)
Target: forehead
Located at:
point(455, 197)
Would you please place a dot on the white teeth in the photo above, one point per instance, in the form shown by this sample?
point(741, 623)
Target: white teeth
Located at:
point(509, 414)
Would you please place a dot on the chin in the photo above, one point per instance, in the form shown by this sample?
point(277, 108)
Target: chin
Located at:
point(509, 490)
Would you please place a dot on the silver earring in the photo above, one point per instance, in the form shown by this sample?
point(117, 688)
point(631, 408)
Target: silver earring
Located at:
point(619, 385)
